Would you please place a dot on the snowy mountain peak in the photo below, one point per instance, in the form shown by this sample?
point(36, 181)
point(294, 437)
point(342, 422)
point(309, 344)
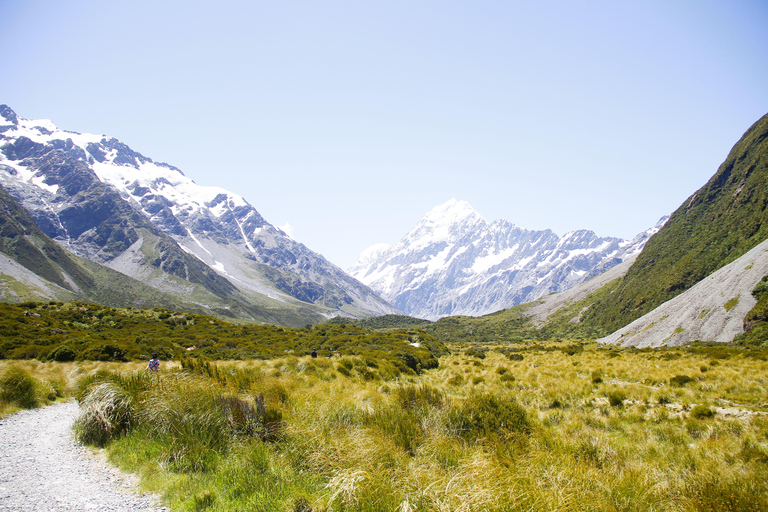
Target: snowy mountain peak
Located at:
point(451, 212)
point(50, 170)
point(447, 222)
point(455, 263)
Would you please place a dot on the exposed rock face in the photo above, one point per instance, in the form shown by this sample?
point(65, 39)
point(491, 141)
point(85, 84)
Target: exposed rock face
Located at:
point(100, 199)
point(712, 310)
point(455, 263)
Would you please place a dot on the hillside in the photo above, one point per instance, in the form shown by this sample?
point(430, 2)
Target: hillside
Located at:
point(713, 309)
point(102, 201)
point(718, 224)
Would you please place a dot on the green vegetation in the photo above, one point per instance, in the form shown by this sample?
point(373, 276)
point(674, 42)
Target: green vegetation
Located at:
point(385, 322)
point(756, 321)
point(30, 384)
point(716, 225)
point(80, 331)
point(541, 433)
point(731, 303)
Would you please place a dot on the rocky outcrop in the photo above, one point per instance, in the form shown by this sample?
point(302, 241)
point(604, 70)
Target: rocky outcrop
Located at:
point(712, 310)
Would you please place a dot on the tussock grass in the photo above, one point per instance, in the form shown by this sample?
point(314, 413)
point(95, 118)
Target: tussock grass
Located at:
point(537, 433)
point(29, 384)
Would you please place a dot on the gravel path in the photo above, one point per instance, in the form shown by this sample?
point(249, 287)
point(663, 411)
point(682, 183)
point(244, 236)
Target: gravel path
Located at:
point(42, 468)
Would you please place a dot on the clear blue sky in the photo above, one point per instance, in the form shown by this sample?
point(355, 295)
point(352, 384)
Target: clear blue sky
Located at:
point(349, 120)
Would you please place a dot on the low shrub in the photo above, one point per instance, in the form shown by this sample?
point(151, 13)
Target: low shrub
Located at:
point(456, 380)
point(515, 357)
point(597, 377)
point(486, 415)
point(702, 411)
point(473, 352)
point(62, 354)
point(413, 397)
point(616, 398)
point(680, 380)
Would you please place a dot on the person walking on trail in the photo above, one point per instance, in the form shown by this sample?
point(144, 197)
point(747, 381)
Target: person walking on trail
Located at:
point(154, 364)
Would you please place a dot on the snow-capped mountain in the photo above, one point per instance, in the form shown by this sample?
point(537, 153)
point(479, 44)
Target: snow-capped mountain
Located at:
point(103, 201)
point(454, 262)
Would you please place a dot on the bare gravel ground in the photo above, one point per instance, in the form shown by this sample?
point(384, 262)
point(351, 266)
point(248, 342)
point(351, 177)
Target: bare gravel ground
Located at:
point(42, 468)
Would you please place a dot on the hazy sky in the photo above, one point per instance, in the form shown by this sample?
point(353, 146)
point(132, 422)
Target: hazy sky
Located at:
point(348, 120)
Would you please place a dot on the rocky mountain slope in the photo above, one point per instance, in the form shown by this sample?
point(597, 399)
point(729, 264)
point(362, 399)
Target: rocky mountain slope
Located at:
point(718, 224)
point(712, 310)
point(454, 262)
point(103, 201)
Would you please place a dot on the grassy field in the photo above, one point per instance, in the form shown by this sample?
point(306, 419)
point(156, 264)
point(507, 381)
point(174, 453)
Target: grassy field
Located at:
point(544, 427)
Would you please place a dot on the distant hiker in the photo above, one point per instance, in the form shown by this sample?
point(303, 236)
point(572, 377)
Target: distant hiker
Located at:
point(314, 353)
point(154, 364)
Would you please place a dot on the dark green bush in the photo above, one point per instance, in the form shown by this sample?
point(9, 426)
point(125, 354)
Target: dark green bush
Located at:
point(62, 354)
point(486, 415)
point(616, 398)
point(473, 352)
point(680, 380)
point(597, 377)
point(701, 412)
point(515, 357)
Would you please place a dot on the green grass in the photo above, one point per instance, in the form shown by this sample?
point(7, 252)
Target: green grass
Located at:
point(493, 434)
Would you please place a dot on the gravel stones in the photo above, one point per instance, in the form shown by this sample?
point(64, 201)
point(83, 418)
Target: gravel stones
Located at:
point(42, 468)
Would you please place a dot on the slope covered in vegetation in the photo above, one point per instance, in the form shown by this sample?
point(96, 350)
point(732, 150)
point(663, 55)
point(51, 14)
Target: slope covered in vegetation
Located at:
point(715, 226)
point(82, 331)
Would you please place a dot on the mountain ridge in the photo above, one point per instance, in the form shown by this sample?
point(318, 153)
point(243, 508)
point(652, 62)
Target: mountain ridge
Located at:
point(454, 262)
point(106, 202)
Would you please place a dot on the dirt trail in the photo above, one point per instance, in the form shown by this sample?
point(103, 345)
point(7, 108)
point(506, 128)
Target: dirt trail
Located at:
point(42, 468)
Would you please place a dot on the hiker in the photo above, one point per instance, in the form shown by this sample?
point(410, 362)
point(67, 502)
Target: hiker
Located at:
point(154, 364)
point(314, 353)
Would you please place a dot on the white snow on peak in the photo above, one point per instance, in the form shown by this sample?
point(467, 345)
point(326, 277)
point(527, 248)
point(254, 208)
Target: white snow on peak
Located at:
point(450, 213)
point(372, 253)
point(443, 223)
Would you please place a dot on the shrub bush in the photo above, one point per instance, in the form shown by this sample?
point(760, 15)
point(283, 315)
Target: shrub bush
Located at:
point(597, 377)
point(413, 397)
point(62, 354)
point(616, 398)
point(486, 415)
point(701, 412)
point(473, 352)
point(680, 380)
point(456, 380)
